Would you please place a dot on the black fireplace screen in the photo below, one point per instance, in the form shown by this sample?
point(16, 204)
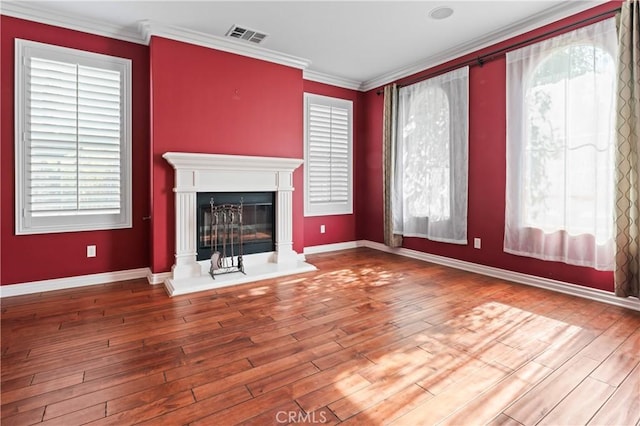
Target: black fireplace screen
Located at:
point(258, 217)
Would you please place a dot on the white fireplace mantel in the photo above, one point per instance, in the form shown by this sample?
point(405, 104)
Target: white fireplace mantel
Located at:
point(196, 172)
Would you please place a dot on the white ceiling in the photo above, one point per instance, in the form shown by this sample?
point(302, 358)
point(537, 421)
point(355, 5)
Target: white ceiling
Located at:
point(362, 43)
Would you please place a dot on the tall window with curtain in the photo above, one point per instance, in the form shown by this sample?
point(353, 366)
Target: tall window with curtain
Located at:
point(560, 148)
point(431, 155)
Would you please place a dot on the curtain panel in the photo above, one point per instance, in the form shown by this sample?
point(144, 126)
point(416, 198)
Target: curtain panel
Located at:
point(627, 263)
point(560, 148)
point(388, 144)
point(431, 159)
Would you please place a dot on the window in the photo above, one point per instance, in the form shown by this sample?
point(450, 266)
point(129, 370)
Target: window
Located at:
point(560, 148)
point(427, 152)
point(328, 133)
point(73, 140)
point(431, 159)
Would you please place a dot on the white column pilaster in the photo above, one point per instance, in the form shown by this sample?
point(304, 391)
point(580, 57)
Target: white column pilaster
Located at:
point(284, 228)
point(186, 265)
point(284, 218)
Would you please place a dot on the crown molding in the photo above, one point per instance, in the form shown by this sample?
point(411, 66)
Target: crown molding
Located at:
point(538, 20)
point(320, 77)
point(150, 28)
point(145, 30)
point(24, 10)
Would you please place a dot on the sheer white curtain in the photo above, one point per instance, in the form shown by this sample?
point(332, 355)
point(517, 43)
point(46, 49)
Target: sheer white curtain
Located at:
point(560, 148)
point(430, 174)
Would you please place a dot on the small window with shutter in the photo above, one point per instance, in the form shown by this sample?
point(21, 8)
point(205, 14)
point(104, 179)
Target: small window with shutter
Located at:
point(328, 155)
point(73, 140)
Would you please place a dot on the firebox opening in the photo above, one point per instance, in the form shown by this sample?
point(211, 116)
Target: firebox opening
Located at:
point(258, 217)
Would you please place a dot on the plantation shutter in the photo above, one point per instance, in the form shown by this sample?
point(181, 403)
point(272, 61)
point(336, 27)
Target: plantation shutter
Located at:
point(72, 140)
point(74, 133)
point(328, 158)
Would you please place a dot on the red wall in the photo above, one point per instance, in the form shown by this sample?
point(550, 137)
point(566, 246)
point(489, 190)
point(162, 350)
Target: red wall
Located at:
point(487, 174)
point(339, 228)
point(191, 98)
point(369, 203)
point(28, 258)
point(205, 100)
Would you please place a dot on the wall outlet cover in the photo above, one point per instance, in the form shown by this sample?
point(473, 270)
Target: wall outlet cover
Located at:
point(477, 243)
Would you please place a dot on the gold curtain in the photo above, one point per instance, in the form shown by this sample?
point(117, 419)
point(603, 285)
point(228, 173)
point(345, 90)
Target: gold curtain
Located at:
point(627, 172)
point(388, 146)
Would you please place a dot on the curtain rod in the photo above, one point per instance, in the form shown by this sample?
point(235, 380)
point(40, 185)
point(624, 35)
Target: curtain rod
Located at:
point(482, 59)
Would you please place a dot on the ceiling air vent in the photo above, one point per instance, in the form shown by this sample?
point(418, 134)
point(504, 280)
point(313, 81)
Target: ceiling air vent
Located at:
point(246, 34)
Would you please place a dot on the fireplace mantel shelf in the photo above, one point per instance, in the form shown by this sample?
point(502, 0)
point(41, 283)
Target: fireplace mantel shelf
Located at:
point(196, 161)
point(200, 172)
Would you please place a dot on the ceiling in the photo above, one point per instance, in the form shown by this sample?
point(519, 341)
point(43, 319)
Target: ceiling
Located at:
point(361, 44)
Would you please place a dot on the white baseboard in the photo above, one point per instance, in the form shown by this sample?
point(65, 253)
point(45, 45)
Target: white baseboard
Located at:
point(86, 280)
point(331, 247)
point(159, 278)
point(517, 277)
point(71, 282)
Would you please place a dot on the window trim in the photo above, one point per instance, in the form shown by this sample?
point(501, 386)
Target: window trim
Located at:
point(25, 224)
point(330, 208)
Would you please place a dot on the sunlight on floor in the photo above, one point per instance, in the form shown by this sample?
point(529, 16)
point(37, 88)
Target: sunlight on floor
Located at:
point(444, 359)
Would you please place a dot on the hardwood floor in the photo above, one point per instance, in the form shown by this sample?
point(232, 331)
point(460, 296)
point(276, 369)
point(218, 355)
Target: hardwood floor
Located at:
point(370, 338)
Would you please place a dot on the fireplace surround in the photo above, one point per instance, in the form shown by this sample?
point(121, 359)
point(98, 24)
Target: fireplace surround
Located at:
point(196, 172)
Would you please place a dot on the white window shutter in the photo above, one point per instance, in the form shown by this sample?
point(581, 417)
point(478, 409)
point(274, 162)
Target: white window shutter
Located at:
point(73, 148)
point(99, 140)
point(328, 132)
point(74, 129)
point(51, 130)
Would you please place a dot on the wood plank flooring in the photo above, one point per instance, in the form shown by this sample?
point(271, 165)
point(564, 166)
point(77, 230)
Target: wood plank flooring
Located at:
point(370, 338)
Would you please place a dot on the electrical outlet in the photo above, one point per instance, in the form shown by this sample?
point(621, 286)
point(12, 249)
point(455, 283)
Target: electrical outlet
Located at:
point(477, 243)
point(322, 229)
point(91, 251)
